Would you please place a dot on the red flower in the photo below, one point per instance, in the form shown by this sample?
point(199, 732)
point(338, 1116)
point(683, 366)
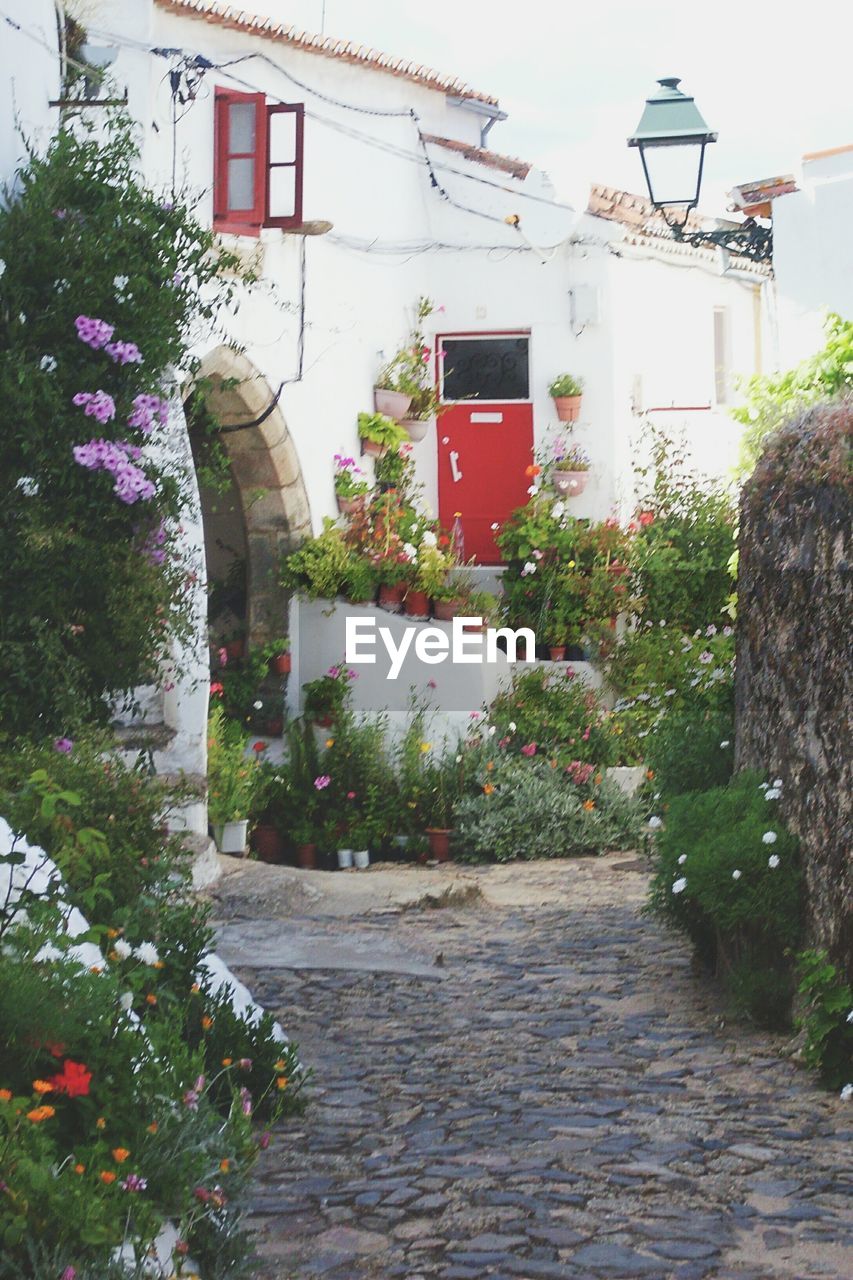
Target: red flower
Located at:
point(73, 1081)
point(216, 689)
point(646, 518)
point(259, 747)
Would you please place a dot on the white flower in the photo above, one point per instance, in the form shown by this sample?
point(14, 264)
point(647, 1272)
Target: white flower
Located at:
point(458, 759)
point(2, 268)
point(533, 490)
point(669, 693)
point(769, 837)
point(147, 953)
point(762, 786)
point(655, 823)
point(728, 631)
point(409, 551)
point(494, 526)
point(530, 567)
point(711, 630)
point(679, 885)
point(120, 283)
point(847, 1093)
point(705, 657)
point(777, 783)
point(47, 364)
point(122, 949)
point(850, 1016)
point(257, 705)
point(558, 510)
point(682, 858)
point(27, 485)
point(772, 793)
point(725, 743)
point(773, 861)
point(126, 1001)
point(48, 951)
point(429, 539)
point(492, 731)
point(512, 726)
point(736, 875)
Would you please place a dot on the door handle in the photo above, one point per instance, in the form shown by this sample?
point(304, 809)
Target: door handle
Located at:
point(454, 466)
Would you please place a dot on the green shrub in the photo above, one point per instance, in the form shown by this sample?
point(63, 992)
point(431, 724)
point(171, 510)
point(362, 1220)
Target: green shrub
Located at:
point(727, 874)
point(559, 715)
point(691, 750)
point(826, 1018)
point(530, 810)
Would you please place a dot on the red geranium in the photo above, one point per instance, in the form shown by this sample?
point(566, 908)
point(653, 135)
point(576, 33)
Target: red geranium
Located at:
point(73, 1080)
point(646, 518)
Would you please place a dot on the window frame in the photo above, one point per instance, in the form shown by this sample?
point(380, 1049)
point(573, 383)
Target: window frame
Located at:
point(248, 222)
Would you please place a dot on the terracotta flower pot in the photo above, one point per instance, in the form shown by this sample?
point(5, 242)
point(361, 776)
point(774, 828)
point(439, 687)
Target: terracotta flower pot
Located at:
point(324, 722)
point(372, 449)
point(391, 597)
point(268, 843)
point(445, 610)
point(416, 604)
point(281, 664)
point(557, 652)
point(347, 506)
point(274, 728)
point(569, 483)
point(416, 427)
point(235, 649)
point(306, 856)
point(394, 404)
point(616, 568)
point(568, 407)
point(439, 843)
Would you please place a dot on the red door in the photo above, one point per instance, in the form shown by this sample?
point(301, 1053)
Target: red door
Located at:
point(485, 435)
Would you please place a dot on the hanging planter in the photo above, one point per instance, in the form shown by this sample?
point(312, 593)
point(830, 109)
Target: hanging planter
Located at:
point(393, 404)
point(347, 506)
point(281, 664)
point(417, 427)
point(235, 649)
point(567, 392)
point(372, 449)
point(568, 407)
point(569, 483)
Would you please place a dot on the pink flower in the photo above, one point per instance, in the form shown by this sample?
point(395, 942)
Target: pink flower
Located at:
point(63, 745)
point(706, 657)
point(70, 1273)
point(529, 750)
point(322, 781)
point(350, 795)
point(264, 1141)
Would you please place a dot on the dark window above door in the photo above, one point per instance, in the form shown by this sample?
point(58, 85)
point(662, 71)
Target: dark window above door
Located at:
point(493, 369)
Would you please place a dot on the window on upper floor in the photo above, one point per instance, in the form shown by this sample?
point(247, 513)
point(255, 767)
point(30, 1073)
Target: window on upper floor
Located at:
point(258, 155)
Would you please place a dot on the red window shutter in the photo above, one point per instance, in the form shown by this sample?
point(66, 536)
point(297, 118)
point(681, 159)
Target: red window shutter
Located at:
point(240, 161)
point(285, 156)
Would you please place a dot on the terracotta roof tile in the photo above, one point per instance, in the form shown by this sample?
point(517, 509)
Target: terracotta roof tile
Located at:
point(518, 168)
point(225, 15)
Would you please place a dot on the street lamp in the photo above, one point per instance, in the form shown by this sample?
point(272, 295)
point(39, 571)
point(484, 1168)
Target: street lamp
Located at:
point(671, 139)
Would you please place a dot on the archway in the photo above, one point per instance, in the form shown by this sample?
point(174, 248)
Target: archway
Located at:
point(266, 510)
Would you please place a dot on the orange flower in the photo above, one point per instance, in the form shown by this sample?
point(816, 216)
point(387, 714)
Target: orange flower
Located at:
point(650, 773)
point(194, 989)
point(152, 1128)
point(206, 1023)
point(96, 968)
point(100, 1123)
point(330, 742)
point(150, 999)
point(42, 1086)
point(107, 1176)
point(597, 779)
point(281, 1082)
point(5, 1095)
point(589, 804)
point(279, 1066)
point(490, 766)
point(41, 1113)
point(120, 1154)
point(533, 471)
point(488, 788)
point(224, 1166)
point(112, 933)
point(79, 1168)
point(226, 1062)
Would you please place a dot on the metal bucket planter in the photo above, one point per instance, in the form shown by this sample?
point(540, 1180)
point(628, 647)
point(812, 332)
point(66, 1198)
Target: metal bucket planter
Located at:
point(231, 837)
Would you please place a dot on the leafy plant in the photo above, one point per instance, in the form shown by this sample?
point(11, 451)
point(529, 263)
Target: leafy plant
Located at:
point(553, 715)
point(409, 370)
point(231, 774)
point(565, 384)
point(349, 478)
point(381, 430)
point(326, 698)
point(825, 1018)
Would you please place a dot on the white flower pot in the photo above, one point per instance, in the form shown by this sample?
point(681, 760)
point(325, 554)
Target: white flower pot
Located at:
point(628, 777)
point(231, 837)
point(362, 859)
point(344, 859)
point(569, 483)
point(417, 427)
point(394, 404)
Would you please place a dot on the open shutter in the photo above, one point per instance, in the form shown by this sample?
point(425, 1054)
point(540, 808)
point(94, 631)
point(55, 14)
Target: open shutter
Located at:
point(285, 133)
point(240, 149)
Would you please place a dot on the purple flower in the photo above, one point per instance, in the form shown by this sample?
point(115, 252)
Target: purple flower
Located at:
point(64, 745)
point(70, 1273)
point(245, 1064)
point(97, 405)
point(131, 482)
point(264, 1141)
point(95, 333)
point(145, 410)
point(322, 781)
point(191, 1100)
point(133, 1182)
point(124, 352)
point(246, 1102)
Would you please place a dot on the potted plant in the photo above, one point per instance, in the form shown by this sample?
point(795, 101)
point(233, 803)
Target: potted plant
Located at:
point(395, 470)
point(405, 388)
point(378, 433)
point(477, 604)
point(350, 486)
point(326, 697)
point(439, 793)
point(231, 782)
point(567, 393)
point(303, 833)
point(277, 654)
point(570, 472)
point(235, 648)
point(359, 585)
point(394, 573)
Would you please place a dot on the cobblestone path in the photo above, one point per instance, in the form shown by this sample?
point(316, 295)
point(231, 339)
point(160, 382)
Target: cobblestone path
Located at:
point(561, 1097)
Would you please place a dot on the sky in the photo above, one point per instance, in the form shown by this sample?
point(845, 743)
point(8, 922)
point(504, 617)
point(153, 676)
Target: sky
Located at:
point(772, 79)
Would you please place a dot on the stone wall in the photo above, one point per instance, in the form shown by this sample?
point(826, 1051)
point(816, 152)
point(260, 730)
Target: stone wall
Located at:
point(793, 699)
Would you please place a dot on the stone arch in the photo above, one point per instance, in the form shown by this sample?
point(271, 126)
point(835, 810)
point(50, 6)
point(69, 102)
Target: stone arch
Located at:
point(268, 478)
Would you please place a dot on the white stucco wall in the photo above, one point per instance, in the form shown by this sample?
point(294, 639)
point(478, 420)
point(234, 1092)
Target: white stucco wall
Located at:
point(813, 252)
point(29, 79)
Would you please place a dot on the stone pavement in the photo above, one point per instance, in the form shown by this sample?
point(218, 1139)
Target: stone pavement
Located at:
point(547, 1091)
